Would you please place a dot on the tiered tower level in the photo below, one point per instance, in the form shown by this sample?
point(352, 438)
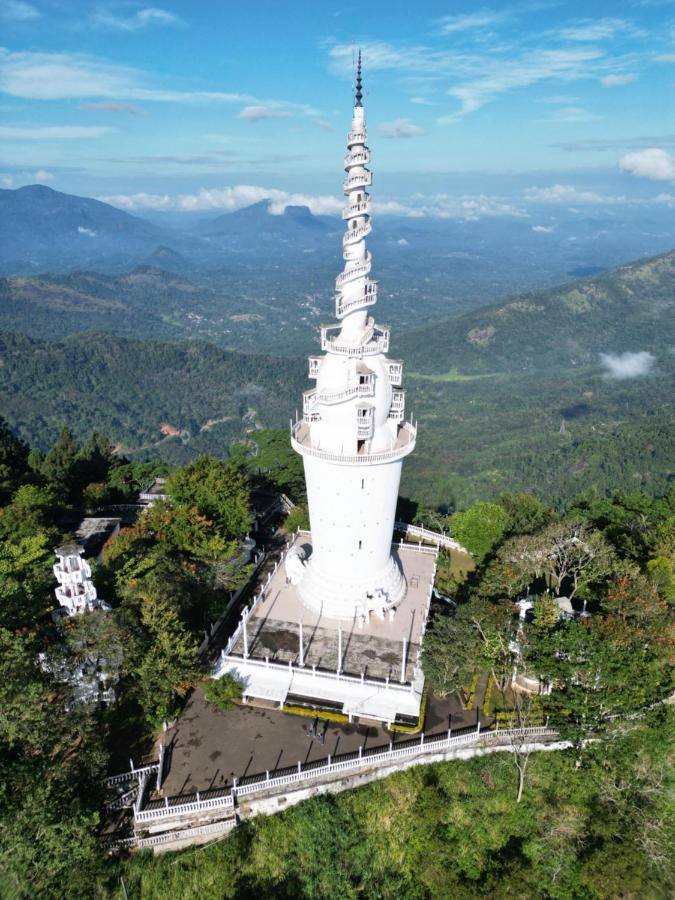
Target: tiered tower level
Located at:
point(353, 435)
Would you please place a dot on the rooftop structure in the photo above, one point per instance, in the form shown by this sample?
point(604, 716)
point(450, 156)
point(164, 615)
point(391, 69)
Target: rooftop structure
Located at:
point(93, 533)
point(153, 492)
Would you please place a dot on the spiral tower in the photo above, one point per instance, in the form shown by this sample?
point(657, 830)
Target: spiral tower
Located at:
point(352, 435)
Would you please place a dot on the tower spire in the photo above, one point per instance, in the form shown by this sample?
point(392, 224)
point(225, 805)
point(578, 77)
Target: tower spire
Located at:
point(359, 87)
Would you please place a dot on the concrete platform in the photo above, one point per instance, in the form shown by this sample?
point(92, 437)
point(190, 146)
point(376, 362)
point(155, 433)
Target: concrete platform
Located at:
point(368, 670)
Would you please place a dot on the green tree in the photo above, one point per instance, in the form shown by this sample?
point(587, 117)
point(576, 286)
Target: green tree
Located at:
point(218, 490)
point(169, 667)
point(450, 653)
point(13, 461)
point(526, 514)
point(60, 464)
point(223, 691)
point(26, 580)
point(479, 528)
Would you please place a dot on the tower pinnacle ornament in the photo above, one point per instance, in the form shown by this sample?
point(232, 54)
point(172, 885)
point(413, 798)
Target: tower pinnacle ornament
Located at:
point(353, 436)
point(359, 90)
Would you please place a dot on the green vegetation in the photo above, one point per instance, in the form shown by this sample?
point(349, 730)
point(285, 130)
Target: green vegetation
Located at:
point(222, 692)
point(167, 577)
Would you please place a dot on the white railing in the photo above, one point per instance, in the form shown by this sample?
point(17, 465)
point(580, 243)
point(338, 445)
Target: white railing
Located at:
point(314, 365)
point(181, 809)
point(362, 179)
point(378, 343)
point(130, 775)
point(424, 747)
point(353, 459)
point(368, 297)
point(417, 548)
point(398, 400)
point(362, 207)
point(360, 158)
point(395, 372)
point(434, 537)
point(355, 234)
point(357, 390)
point(185, 834)
point(356, 137)
point(308, 400)
point(354, 272)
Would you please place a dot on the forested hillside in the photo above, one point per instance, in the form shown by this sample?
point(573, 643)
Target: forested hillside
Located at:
point(631, 308)
point(172, 399)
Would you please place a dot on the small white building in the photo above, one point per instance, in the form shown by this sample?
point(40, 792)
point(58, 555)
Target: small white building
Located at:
point(75, 593)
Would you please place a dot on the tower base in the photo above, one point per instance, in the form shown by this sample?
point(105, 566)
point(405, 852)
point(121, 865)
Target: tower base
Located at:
point(288, 651)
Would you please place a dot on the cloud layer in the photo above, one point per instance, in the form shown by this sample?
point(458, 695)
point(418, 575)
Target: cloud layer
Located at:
point(627, 365)
point(650, 163)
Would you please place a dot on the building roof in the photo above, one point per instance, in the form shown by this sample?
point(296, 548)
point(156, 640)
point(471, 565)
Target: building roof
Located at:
point(93, 532)
point(69, 549)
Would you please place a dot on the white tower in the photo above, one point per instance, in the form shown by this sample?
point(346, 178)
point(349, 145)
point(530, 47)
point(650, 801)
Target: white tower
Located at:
point(76, 592)
point(352, 435)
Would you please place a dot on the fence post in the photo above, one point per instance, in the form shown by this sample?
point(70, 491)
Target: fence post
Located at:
point(329, 763)
point(360, 751)
point(478, 727)
point(267, 775)
point(299, 767)
point(421, 739)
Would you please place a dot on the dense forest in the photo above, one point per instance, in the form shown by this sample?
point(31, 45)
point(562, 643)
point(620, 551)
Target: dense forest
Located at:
point(593, 821)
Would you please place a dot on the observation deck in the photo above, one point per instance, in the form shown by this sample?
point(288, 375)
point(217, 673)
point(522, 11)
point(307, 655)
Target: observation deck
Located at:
point(376, 341)
point(301, 441)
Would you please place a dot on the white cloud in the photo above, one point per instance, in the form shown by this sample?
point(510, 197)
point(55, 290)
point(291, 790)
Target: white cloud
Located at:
point(598, 29)
point(650, 163)
point(402, 242)
point(321, 123)
point(113, 106)
point(567, 193)
point(16, 179)
point(79, 76)
point(142, 18)
point(230, 198)
point(17, 11)
point(400, 128)
point(665, 57)
point(543, 229)
point(509, 74)
point(469, 21)
point(618, 80)
point(573, 114)
point(88, 231)
point(254, 113)
point(627, 365)
point(423, 101)
point(52, 132)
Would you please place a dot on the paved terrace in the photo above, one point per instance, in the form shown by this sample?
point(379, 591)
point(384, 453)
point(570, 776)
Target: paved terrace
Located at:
point(207, 748)
point(375, 649)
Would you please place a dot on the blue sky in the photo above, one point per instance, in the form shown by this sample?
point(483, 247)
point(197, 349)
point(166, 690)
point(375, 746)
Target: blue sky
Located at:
point(472, 110)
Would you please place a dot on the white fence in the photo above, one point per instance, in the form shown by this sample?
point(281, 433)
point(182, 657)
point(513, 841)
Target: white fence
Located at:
point(434, 537)
point(423, 747)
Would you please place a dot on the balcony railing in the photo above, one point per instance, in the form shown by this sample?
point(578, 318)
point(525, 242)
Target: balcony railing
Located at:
point(368, 297)
point(398, 400)
point(362, 179)
point(354, 272)
point(356, 137)
point(367, 389)
point(355, 234)
point(403, 445)
point(378, 342)
point(359, 158)
point(308, 400)
point(395, 371)
point(365, 422)
point(360, 208)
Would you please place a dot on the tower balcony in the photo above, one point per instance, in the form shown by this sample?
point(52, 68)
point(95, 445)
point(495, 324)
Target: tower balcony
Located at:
point(308, 400)
point(397, 409)
point(365, 422)
point(354, 272)
point(395, 372)
point(367, 297)
point(356, 234)
point(314, 364)
point(362, 179)
point(356, 137)
point(402, 444)
point(357, 158)
point(365, 388)
point(377, 341)
point(358, 208)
